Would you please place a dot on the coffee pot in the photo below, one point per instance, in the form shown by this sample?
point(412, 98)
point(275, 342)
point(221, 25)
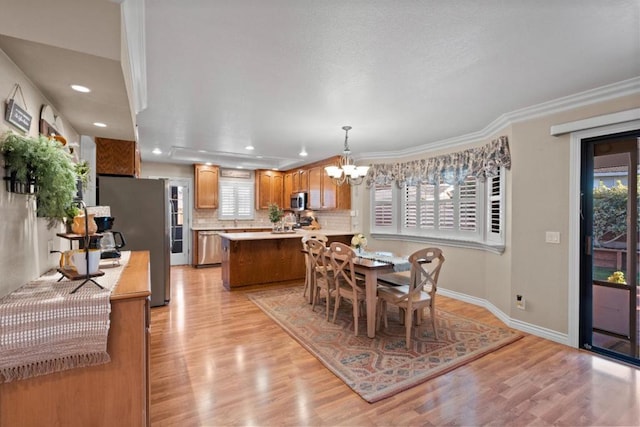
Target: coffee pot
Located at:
point(111, 243)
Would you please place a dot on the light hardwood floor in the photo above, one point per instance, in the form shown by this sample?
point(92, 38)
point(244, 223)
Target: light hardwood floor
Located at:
point(217, 360)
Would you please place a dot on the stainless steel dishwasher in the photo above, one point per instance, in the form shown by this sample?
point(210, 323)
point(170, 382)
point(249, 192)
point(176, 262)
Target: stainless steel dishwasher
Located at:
point(209, 248)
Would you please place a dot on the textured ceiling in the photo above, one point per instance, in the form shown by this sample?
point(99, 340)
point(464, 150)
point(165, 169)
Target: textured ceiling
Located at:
point(286, 75)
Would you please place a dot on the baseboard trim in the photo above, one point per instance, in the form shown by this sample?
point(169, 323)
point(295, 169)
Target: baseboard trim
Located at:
point(529, 328)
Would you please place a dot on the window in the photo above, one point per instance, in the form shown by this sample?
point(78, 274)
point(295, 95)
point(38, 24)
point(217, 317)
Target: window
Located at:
point(471, 212)
point(235, 199)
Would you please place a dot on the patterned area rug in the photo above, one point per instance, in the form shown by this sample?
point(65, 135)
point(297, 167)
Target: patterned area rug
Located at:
point(380, 367)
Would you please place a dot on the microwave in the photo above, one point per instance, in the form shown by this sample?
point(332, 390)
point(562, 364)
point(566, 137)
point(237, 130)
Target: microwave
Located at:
point(298, 201)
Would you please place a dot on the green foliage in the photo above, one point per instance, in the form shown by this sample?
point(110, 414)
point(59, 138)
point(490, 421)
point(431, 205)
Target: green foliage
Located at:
point(609, 212)
point(275, 213)
point(82, 171)
point(51, 167)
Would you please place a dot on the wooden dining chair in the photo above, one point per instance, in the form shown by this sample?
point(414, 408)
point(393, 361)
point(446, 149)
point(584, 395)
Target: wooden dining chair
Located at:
point(308, 273)
point(347, 285)
point(321, 279)
point(416, 294)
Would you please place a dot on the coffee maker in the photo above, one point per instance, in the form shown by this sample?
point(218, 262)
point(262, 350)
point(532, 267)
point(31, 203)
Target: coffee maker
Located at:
point(112, 241)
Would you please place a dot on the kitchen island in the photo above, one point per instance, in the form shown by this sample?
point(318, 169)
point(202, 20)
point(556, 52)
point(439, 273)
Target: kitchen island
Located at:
point(266, 257)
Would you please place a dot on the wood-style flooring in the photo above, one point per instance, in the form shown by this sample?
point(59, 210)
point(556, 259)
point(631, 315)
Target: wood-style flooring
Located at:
point(218, 360)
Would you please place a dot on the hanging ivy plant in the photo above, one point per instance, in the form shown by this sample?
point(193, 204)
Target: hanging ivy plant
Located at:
point(51, 167)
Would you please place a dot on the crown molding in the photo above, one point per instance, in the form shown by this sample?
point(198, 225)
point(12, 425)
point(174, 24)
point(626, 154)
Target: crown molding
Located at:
point(592, 96)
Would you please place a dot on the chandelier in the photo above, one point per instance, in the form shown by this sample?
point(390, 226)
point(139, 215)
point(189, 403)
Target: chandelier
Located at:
point(347, 171)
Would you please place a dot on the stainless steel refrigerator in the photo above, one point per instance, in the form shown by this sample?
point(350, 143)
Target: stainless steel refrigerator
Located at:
point(141, 211)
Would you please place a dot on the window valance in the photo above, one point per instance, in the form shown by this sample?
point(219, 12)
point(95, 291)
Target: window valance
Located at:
point(454, 168)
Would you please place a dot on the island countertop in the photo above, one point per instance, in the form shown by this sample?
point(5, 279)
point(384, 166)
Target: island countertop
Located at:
point(260, 258)
point(267, 235)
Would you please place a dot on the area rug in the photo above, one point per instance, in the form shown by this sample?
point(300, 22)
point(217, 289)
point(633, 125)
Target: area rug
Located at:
point(380, 367)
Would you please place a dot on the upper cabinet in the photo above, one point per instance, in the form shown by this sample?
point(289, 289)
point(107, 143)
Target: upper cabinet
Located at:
point(296, 181)
point(117, 157)
point(206, 178)
point(324, 193)
point(269, 189)
point(301, 181)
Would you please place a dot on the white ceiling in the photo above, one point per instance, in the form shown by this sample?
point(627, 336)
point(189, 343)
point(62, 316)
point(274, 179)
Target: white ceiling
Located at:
point(286, 75)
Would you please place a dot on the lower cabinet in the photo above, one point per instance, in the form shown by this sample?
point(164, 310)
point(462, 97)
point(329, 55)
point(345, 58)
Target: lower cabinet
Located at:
point(115, 393)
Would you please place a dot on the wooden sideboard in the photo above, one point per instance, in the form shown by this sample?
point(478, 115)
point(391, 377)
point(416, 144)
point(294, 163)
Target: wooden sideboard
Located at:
point(116, 393)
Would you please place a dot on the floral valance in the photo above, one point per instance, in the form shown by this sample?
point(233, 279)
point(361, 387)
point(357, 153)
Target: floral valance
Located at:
point(454, 168)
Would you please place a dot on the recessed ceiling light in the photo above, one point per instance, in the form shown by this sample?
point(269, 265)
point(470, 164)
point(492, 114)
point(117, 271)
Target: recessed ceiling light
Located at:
point(239, 167)
point(208, 163)
point(249, 147)
point(304, 153)
point(100, 125)
point(80, 88)
point(157, 151)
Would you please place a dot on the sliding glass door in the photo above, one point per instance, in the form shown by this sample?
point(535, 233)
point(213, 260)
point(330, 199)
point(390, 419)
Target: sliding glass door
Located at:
point(609, 298)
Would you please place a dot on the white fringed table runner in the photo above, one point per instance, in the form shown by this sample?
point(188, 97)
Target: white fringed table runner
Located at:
point(44, 328)
point(399, 263)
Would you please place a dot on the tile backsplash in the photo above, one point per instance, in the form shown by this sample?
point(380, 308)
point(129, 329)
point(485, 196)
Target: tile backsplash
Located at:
point(334, 220)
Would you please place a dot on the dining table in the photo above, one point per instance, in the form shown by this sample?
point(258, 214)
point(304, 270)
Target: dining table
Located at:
point(371, 265)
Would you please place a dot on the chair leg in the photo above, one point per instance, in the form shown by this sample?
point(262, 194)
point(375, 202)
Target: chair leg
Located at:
point(384, 313)
point(407, 320)
point(356, 316)
point(335, 308)
point(328, 303)
point(433, 322)
point(379, 314)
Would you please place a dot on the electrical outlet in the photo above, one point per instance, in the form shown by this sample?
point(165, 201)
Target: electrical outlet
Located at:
point(520, 303)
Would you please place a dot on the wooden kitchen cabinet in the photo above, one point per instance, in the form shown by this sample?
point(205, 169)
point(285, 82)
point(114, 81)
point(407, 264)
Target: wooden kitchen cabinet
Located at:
point(324, 194)
point(206, 179)
point(296, 181)
point(287, 185)
point(117, 157)
point(269, 188)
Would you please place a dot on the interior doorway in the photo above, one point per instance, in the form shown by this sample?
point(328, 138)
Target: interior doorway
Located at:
point(179, 221)
point(609, 297)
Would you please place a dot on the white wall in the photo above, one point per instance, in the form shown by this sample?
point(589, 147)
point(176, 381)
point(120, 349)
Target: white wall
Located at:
point(23, 237)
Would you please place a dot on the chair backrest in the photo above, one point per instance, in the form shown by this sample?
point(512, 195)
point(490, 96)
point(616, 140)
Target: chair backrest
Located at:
point(316, 236)
point(342, 264)
point(425, 270)
point(317, 256)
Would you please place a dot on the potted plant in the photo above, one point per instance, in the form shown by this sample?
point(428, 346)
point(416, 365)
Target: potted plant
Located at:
point(41, 162)
point(275, 216)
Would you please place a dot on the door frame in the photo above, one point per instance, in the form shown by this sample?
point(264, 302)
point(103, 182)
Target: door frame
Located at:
point(187, 232)
point(575, 164)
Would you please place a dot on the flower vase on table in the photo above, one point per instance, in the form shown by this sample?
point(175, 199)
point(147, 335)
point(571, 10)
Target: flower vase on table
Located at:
point(359, 242)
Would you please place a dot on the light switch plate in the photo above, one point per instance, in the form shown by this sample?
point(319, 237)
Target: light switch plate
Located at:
point(552, 237)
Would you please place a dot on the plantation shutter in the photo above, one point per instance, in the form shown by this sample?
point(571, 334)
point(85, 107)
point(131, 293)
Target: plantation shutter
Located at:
point(468, 205)
point(383, 206)
point(427, 206)
point(495, 204)
point(235, 200)
point(410, 206)
point(446, 209)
